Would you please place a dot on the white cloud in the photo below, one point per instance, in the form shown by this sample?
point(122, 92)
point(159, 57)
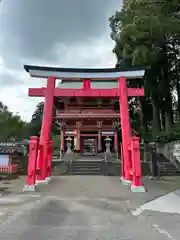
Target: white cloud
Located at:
point(94, 54)
point(17, 100)
point(1, 63)
point(57, 34)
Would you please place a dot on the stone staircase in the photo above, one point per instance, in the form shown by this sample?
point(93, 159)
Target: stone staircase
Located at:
point(168, 150)
point(167, 168)
point(88, 165)
point(96, 165)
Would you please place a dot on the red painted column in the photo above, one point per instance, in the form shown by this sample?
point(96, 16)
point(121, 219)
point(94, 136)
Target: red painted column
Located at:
point(61, 143)
point(122, 165)
point(99, 141)
point(75, 140)
point(31, 176)
point(62, 140)
point(49, 165)
point(45, 130)
point(115, 141)
point(86, 84)
point(125, 128)
point(78, 141)
point(136, 166)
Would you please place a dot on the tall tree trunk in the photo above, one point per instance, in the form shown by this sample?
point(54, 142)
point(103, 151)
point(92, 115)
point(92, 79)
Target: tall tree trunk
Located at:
point(178, 93)
point(140, 102)
point(163, 120)
point(177, 78)
point(168, 121)
point(167, 89)
point(168, 113)
point(141, 114)
point(156, 116)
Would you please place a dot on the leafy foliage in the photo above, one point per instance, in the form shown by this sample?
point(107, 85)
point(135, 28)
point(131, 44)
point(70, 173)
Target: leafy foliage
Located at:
point(12, 126)
point(36, 121)
point(146, 33)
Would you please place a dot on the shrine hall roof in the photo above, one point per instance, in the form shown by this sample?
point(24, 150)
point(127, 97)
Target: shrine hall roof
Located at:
point(10, 150)
point(82, 73)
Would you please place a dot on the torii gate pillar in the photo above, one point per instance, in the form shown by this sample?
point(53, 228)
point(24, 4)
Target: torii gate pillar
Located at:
point(42, 161)
point(125, 128)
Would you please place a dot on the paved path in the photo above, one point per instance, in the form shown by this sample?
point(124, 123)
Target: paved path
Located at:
point(80, 207)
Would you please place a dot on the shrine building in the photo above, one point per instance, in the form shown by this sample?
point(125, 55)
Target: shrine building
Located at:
point(88, 122)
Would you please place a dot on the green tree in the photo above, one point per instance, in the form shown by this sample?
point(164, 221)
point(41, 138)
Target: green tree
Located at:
point(145, 34)
point(12, 126)
point(36, 121)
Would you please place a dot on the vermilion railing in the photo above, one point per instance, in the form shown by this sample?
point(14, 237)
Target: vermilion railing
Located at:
point(8, 168)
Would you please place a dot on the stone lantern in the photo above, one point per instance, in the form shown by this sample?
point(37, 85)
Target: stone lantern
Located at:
point(108, 145)
point(69, 144)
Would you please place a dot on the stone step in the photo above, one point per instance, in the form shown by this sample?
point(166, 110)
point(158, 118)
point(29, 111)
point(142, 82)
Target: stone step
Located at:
point(88, 167)
point(172, 171)
point(169, 168)
point(88, 173)
point(169, 173)
point(87, 162)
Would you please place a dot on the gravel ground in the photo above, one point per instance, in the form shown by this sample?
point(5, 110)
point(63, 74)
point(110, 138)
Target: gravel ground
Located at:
point(76, 207)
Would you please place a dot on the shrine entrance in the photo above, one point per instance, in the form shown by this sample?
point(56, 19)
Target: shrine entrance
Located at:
point(79, 85)
point(89, 146)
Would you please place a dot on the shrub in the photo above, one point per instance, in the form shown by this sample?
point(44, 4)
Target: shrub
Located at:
point(163, 137)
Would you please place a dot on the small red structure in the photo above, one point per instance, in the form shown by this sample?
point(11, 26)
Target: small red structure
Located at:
point(136, 166)
point(74, 101)
point(10, 169)
point(10, 158)
point(32, 165)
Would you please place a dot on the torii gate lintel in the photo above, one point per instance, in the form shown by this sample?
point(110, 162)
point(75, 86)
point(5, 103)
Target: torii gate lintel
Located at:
point(59, 92)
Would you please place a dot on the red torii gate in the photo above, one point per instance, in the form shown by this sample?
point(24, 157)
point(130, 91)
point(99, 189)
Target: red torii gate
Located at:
point(40, 152)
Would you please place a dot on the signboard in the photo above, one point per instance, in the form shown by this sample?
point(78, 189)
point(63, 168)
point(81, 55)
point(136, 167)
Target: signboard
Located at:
point(69, 132)
point(108, 132)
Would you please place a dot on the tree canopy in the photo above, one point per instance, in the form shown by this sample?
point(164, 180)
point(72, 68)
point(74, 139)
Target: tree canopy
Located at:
point(36, 121)
point(12, 126)
point(146, 34)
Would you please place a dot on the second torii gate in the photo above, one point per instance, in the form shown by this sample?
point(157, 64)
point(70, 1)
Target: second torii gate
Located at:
point(40, 156)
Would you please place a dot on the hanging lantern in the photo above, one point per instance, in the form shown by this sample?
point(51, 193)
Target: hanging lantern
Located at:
point(75, 140)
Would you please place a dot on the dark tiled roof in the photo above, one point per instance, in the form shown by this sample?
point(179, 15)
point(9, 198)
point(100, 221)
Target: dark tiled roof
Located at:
point(80, 70)
point(9, 150)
